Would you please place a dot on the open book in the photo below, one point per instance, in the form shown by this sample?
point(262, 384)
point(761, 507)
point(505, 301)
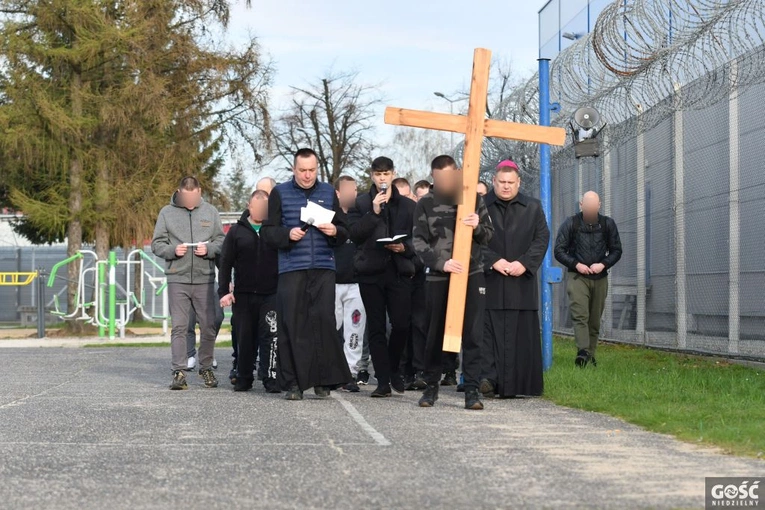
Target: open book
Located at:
point(392, 240)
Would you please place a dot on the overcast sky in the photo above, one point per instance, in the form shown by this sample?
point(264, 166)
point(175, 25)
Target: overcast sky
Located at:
point(411, 48)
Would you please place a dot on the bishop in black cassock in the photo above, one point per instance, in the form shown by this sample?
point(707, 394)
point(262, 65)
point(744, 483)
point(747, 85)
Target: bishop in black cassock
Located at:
point(512, 351)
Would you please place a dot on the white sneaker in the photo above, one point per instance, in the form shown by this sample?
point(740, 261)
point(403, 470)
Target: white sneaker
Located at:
point(191, 364)
point(215, 364)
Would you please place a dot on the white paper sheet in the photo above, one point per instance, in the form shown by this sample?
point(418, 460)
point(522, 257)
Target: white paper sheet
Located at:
point(319, 214)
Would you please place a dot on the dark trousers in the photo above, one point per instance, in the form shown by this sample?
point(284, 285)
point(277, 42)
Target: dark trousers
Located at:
point(450, 361)
point(437, 293)
point(254, 317)
point(390, 293)
point(414, 354)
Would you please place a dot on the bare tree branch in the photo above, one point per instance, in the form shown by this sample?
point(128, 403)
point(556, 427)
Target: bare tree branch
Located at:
point(334, 116)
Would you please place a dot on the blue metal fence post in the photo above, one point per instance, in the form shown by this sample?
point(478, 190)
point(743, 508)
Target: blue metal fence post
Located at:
point(549, 273)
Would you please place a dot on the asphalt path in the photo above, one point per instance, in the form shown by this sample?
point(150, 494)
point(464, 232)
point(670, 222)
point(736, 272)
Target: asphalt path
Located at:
point(98, 428)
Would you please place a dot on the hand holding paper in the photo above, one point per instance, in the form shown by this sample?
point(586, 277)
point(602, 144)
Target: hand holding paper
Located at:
point(319, 214)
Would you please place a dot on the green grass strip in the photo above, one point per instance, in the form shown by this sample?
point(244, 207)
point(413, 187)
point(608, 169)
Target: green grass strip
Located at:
point(696, 399)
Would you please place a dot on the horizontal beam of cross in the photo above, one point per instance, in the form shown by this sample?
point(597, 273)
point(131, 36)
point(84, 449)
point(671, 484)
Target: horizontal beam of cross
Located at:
point(491, 127)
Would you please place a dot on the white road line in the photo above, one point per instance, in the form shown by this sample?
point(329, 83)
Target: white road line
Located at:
point(356, 415)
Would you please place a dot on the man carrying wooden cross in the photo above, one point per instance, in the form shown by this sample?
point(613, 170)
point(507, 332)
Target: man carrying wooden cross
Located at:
point(435, 221)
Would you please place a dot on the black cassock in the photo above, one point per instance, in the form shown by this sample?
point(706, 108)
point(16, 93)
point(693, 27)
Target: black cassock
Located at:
point(310, 350)
point(512, 352)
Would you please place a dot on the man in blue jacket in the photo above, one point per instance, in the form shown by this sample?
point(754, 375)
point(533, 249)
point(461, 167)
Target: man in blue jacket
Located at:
point(310, 352)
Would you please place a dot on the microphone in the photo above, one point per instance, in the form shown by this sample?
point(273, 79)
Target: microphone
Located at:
point(307, 224)
point(383, 189)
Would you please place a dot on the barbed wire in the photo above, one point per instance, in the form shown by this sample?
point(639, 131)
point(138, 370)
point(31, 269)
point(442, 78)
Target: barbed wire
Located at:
point(644, 59)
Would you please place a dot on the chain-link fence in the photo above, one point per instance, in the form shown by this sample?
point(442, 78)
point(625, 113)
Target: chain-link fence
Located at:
point(688, 196)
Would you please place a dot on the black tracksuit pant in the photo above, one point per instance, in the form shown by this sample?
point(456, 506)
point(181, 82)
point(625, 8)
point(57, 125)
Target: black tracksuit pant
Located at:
point(414, 354)
point(254, 319)
point(389, 293)
point(437, 292)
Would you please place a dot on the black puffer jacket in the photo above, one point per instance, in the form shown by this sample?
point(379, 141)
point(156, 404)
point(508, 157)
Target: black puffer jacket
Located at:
point(366, 228)
point(577, 241)
point(255, 263)
point(344, 255)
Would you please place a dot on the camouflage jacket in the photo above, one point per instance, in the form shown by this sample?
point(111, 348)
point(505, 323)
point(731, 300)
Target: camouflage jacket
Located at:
point(433, 234)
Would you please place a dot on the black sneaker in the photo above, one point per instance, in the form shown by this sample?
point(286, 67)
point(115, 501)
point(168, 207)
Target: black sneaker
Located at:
point(461, 388)
point(419, 381)
point(271, 386)
point(293, 393)
point(450, 379)
point(351, 387)
point(582, 357)
point(487, 388)
point(409, 382)
point(429, 396)
point(179, 381)
point(243, 384)
point(321, 391)
point(382, 391)
point(473, 400)
point(397, 383)
point(232, 373)
point(363, 378)
point(592, 360)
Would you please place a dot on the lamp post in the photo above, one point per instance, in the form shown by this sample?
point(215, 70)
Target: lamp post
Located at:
point(451, 111)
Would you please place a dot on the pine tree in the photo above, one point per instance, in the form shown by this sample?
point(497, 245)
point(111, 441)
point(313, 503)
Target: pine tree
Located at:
point(104, 106)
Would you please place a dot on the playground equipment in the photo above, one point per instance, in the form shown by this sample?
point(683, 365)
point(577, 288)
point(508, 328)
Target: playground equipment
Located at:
point(104, 309)
point(24, 279)
point(17, 278)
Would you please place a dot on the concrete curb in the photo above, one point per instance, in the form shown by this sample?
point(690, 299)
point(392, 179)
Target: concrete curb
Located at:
point(80, 342)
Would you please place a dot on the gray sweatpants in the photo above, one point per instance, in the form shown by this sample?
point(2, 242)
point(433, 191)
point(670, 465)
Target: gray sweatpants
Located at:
point(191, 333)
point(185, 298)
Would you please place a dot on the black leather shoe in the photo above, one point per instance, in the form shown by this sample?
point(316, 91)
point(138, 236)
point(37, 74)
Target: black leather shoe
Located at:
point(321, 391)
point(271, 386)
point(294, 393)
point(243, 384)
point(472, 400)
point(397, 383)
point(487, 388)
point(351, 387)
point(382, 391)
point(419, 381)
point(429, 396)
point(450, 379)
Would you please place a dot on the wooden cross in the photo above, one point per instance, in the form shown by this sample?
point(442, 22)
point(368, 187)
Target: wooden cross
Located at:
point(474, 126)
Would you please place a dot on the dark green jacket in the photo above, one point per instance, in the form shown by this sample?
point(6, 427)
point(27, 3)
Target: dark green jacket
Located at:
point(434, 222)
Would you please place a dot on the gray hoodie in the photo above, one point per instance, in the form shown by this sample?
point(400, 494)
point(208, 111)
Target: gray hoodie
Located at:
point(177, 225)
